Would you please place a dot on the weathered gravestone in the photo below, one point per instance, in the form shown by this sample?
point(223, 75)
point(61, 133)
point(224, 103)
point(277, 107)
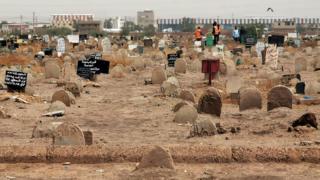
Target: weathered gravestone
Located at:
point(186, 114)
point(64, 96)
point(170, 87)
point(68, 134)
point(180, 66)
point(74, 88)
point(16, 81)
point(106, 45)
point(52, 70)
point(158, 76)
point(187, 95)
point(210, 102)
point(250, 98)
point(279, 96)
point(300, 64)
point(234, 83)
point(158, 157)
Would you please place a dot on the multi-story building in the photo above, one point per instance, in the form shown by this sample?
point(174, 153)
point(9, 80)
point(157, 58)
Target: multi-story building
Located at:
point(145, 18)
point(15, 27)
point(268, 21)
point(87, 27)
point(68, 20)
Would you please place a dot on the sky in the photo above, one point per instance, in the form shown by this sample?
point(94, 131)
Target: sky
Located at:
point(12, 9)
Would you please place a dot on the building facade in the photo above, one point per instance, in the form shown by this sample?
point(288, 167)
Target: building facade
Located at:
point(87, 27)
point(68, 20)
point(15, 27)
point(145, 18)
point(174, 23)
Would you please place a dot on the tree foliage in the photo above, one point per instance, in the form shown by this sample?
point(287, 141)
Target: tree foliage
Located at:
point(108, 23)
point(149, 31)
point(187, 25)
point(129, 27)
point(62, 31)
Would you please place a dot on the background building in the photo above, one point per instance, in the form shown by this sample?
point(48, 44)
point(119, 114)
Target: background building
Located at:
point(15, 27)
point(145, 18)
point(87, 27)
point(68, 20)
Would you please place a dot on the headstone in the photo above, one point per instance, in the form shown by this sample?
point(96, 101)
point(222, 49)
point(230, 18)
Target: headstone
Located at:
point(204, 127)
point(177, 107)
point(158, 157)
point(277, 40)
point(57, 106)
point(74, 88)
point(170, 87)
point(68, 134)
point(300, 88)
point(250, 98)
point(88, 136)
point(234, 83)
point(52, 70)
point(180, 66)
point(279, 96)
point(210, 102)
point(92, 66)
point(158, 75)
point(186, 114)
point(172, 59)
point(106, 45)
point(64, 96)
point(118, 71)
point(272, 56)
point(300, 64)
point(147, 42)
point(187, 95)
point(61, 47)
point(16, 81)
point(44, 129)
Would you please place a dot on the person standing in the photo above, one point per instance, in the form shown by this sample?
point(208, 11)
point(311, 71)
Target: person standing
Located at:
point(198, 34)
point(216, 32)
point(236, 34)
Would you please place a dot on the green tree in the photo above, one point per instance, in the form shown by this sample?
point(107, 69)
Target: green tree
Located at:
point(3, 22)
point(149, 31)
point(188, 25)
point(129, 27)
point(108, 23)
point(62, 31)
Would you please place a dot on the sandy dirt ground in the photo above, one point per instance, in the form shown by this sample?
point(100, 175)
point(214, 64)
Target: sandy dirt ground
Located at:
point(254, 171)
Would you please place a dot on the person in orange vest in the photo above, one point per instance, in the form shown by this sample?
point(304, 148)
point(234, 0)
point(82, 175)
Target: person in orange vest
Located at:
point(216, 32)
point(198, 34)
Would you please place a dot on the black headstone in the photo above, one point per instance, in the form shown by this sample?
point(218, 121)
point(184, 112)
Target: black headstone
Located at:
point(147, 43)
point(300, 87)
point(91, 66)
point(172, 59)
point(16, 81)
point(275, 39)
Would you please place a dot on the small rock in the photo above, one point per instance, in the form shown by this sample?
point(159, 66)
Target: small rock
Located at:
point(306, 143)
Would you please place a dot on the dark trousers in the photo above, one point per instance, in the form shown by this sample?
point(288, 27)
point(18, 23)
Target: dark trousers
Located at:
point(216, 39)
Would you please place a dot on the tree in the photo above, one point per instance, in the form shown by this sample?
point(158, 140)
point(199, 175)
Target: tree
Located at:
point(188, 25)
point(129, 27)
point(62, 31)
point(3, 22)
point(108, 23)
point(149, 31)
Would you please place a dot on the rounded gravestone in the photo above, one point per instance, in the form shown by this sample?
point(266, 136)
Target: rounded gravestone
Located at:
point(210, 102)
point(180, 66)
point(68, 134)
point(300, 64)
point(52, 70)
point(57, 106)
point(74, 88)
point(64, 96)
point(279, 96)
point(158, 76)
point(187, 95)
point(250, 98)
point(186, 114)
point(158, 157)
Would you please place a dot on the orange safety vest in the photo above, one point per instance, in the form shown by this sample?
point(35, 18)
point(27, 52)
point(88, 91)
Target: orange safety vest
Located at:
point(217, 30)
point(197, 34)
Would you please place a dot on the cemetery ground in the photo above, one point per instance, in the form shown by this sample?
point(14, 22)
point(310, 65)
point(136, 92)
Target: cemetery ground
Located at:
point(128, 117)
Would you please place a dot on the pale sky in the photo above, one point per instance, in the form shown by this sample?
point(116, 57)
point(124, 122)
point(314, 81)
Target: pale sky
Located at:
point(12, 9)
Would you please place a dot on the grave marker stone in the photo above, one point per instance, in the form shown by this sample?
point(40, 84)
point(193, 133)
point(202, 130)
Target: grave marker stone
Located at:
point(279, 96)
point(68, 134)
point(16, 81)
point(210, 102)
point(172, 59)
point(250, 98)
